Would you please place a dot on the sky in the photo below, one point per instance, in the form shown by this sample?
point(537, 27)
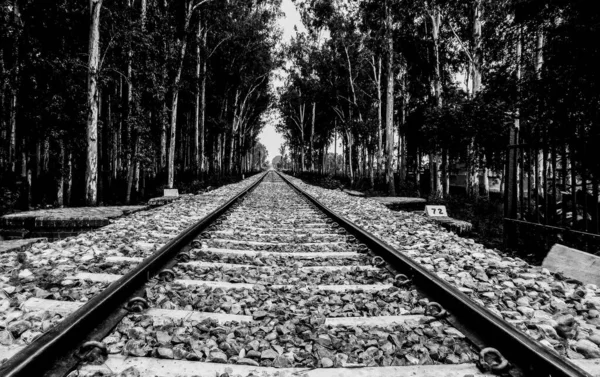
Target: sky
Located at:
point(268, 136)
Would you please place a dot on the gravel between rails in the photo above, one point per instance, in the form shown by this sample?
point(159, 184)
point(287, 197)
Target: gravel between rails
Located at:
point(296, 342)
point(560, 313)
point(286, 301)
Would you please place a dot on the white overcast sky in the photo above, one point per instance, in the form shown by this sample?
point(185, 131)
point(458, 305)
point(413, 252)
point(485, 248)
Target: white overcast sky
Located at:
point(269, 137)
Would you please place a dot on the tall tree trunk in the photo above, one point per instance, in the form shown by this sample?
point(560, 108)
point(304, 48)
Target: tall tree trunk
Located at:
point(389, 117)
point(143, 13)
point(403, 114)
point(539, 62)
point(445, 173)
point(350, 167)
point(131, 171)
point(12, 151)
point(106, 156)
point(119, 143)
point(510, 189)
point(128, 115)
point(182, 43)
point(38, 159)
point(4, 148)
point(203, 103)
point(312, 134)
point(101, 142)
point(377, 73)
point(239, 151)
point(218, 152)
point(517, 123)
point(60, 183)
point(302, 150)
point(163, 141)
point(136, 178)
point(371, 169)
point(434, 164)
point(24, 160)
point(418, 170)
point(231, 151)
point(196, 137)
point(69, 178)
point(344, 158)
point(115, 142)
point(477, 50)
point(91, 168)
point(324, 160)
point(475, 185)
point(335, 148)
point(15, 83)
point(402, 127)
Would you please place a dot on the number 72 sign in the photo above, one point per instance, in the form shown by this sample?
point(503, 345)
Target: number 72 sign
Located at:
point(436, 211)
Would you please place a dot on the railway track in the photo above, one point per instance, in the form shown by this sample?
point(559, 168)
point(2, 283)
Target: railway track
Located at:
point(272, 280)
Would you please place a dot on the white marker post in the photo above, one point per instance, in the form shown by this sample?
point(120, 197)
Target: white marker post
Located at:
point(436, 211)
point(171, 192)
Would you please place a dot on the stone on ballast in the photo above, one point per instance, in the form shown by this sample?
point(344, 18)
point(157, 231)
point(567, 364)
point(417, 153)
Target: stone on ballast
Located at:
point(593, 322)
point(566, 326)
point(29, 336)
point(246, 361)
point(544, 287)
point(548, 331)
point(259, 314)
point(341, 360)
point(588, 349)
point(592, 303)
point(269, 354)
point(163, 337)
point(453, 332)
point(26, 275)
point(5, 338)
point(326, 362)
point(523, 301)
point(218, 357)
point(236, 309)
point(282, 362)
point(595, 338)
point(324, 340)
point(480, 274)
point(558, 304)
point(542, 315)
point(144, 246)
point(17, 328)
point(164, 352)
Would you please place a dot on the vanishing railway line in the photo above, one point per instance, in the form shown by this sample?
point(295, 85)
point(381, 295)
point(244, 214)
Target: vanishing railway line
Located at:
point(273, 279)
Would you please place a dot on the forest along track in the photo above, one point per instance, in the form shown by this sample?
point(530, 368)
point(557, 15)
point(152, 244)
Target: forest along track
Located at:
point(275, 283)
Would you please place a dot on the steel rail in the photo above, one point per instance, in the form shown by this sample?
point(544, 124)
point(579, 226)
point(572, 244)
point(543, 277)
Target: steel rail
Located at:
point(40, 356)
point(528, 355)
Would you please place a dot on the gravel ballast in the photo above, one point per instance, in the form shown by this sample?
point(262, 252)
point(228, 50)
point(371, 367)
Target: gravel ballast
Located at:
point(560, 313)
